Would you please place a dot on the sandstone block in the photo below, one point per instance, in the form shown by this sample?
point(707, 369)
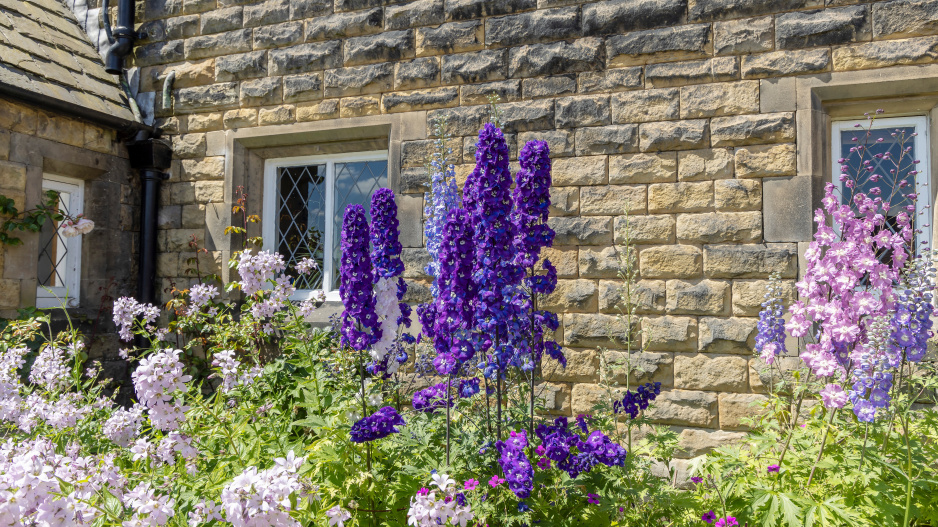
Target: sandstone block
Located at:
point(555, 398)
point(418, 292)
point(560, 142)
point(684, 408)
point(750, 261)
point(588, 170)
point(209, 191)
point(680, 197)
point(643, 168)
point(415, 262)
point(12, 176)
point(710, 100)
point(661, 45)
point(241, 118)
point(592, 230)
point(527, 116)
point(782, 63)
point(766, 161)
point(704, 165)
point(416, 153)
point(748, 295)
point(417, 73)
point(563, 258)
point(461, 121)
point(612, 199)
point(822, 27)
point(205, 122)
point(554, 86)
point(727, 335)
point(219, 44)
point(212, 97)
point(359, 106)
point(723, 9)
point(507, 91)
point(905, 18)
point(261, 92)
point(585, 54)
point(572, 296)
point(480, 66)
point(533, 27)
point(243, 66)
point(739, 410)
point(923, 50)
point(610, 80)
point(363, 80)
point(159, 53)
point(205, 168)
point(604, 18)
point(765, 379)
point(181, 26)
point(648, 296)
point(591, 329)
point(721, 373)
point(642, 229)
point(582, 367)
point(302, 87)
point(674, 135)
point(187, 74)
point(614, 139)
point(720, 69)
point(278, 115)
point(419, 13)
point(420, 100)
point(218, 20)
point(598, 262)
point(383, 47)
point(344, 25)
point(693, 442)
point(645, 106)
point(749, 35)
point(703, 297)
point(645, 367)
point(328, 109)
point(671, 261)
point(574, 112)
point(715, 227)
point(305, 57)
point(564, 201)
point(466, 9)
point(278, 35)
point(450, 38)
point(752, 129)
point(586, 397)
point(737, 195)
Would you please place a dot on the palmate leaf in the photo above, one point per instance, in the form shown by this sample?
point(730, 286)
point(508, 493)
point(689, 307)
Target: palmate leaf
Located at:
point(831, 512)
point(774, 506)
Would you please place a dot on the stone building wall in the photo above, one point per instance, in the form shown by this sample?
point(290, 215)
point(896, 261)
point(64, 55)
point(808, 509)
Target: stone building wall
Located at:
point(702, 118)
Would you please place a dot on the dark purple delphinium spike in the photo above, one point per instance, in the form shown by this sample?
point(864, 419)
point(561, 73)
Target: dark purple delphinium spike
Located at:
point(575, 455)
point(532, 204)
point(386, 247)
point(359, 322)
point(453, 312)
point(380, 424)
point(515, 464)
point(634, 402)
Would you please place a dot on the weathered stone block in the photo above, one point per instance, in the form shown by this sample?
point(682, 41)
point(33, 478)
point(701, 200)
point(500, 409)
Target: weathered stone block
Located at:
point(302, 87)
point(461, 121)
point(599, 262)
point(737, 195)
point(589, 170)
point(241, 118)
point(415, 261)
point(612, 200)
point(560, 142)
point(455, 37)
point(362, 80)
point(413, 14)
point(752, 129)
point(563, 258)
point(704, 297)
point(383, 47)
point(750, 261)
point(728, 335)
point(646, 105)
point(564, 201)
point(715, 227)
point(189, 145)
point(621, 16)
point(615, 139)
point(420, 99)
point(417, 73)
point(209, 191)
point(507, 91)
point(720, 69)
point(548, 86)
point(674, 135)
point(766, 161)
point(480, 66)
point(187, 74)
point(416, 153)
point(344, 25)
point(723, 9)
point(765, 379)
point(748, 295)
point(305, 57)
point(527, 116)
point(12, 176)
point(595, 230)
point(905, 18)
point(310, 9)
point(585, 54)
point(693, 442)
point(261, 92)
point(586, 397)
point(243, 66)
point(573, 112)
point(181, 27)
point(680, 197)
point(684, 408)
point(781, 63)
point(665, 44)
point(643, 168)
point(466, 9)
point(739, 410)
point(703, 165)
point(213, 97)
point(648, 296)
point(220, 44)
point(710, 100)
point(822, 27)
point(701, 371)
point(642, 229)
point(611, 80)
point(204, 122)
point(592, 329)
point(533, 27)
point(582, 367)
point(207, 168)
point(750, 35)
point(671, 261)
point(266, 13)
point(278, 115)
point(640, 367)
point(278, 35)
point(923, 50)
point(218, 20)
point(572, 296)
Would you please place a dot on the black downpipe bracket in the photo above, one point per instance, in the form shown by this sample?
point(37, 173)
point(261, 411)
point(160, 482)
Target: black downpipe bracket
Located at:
point(121, 38)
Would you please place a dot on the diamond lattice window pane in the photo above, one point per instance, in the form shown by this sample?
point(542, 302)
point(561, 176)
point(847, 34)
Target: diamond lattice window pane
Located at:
point(53, 250)
point(301, 220)
point(354, 183)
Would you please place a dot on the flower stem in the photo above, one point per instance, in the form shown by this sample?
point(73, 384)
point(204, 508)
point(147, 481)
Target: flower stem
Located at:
point(821, 451)
point(449, 401)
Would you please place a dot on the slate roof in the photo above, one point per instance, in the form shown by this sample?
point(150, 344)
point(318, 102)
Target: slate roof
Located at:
point(44, 50)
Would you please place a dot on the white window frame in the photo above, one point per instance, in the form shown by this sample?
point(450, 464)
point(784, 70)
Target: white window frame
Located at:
point(272, 194)
point(70, 293)
point(922, 217)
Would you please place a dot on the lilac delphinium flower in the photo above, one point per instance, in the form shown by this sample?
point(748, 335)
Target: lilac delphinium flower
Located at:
point(360, 327)
point(515, 465)
point(633, 403)
point(770, 339)
point(381, 424)
point(442, 198)
point(453, 309)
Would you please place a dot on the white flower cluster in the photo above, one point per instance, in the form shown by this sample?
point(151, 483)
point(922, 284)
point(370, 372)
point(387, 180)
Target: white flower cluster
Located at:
point(231, 373)
point(77, 227)
point(11, 402)
point(32, 475)
point(50, 369)
point(388, 310)
point(156, 380)
point(150, 509)
point(256, 270)
point(199, 295)
point(428, 510)
point(338, 516)
point(127, 309)
point(124, 425)
point(306, 266)
point(263, 498)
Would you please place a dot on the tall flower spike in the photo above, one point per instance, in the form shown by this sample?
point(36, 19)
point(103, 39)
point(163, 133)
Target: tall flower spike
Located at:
point(532, 203)
point(385, 232)
point(359, 321)
point(453, 311)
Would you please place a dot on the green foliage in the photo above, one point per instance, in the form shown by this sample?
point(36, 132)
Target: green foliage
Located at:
point(28, 221)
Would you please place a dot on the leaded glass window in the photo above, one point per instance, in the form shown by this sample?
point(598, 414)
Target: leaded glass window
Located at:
point(305, 199)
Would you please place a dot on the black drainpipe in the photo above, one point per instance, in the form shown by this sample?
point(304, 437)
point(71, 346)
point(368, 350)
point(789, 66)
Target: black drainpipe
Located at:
point(149, 155)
